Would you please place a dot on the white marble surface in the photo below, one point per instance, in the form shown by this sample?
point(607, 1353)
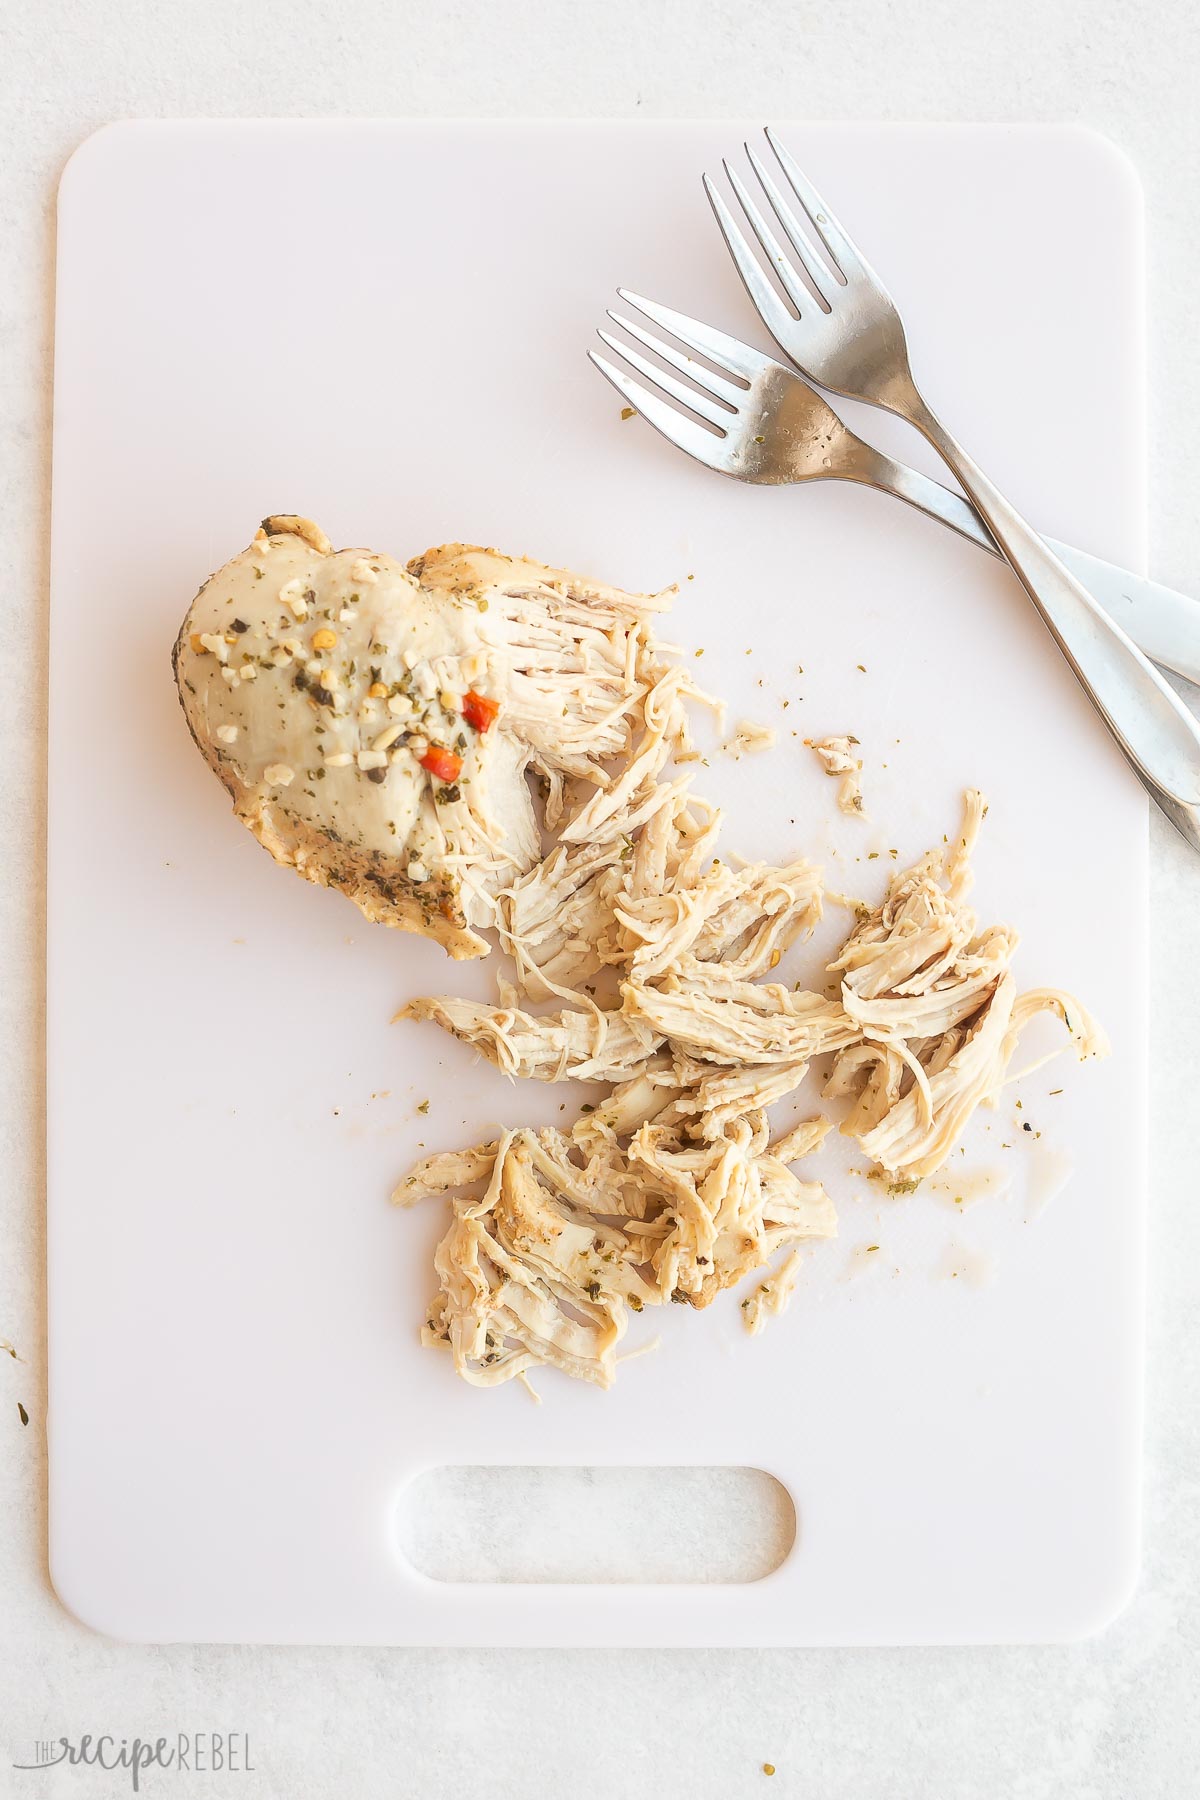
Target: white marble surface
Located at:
point(1111, 1718)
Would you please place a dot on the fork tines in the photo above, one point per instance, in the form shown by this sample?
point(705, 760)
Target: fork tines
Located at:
point(820, 255)
point(714, 397)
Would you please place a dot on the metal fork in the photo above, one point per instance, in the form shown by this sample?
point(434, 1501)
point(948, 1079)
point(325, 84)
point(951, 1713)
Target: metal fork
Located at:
point(843, 330)
point(775, 429)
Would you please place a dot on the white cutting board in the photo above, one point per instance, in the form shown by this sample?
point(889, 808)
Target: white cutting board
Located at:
point(383, 325)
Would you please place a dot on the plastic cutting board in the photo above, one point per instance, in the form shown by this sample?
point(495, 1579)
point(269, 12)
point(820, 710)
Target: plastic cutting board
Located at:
point(383, 325)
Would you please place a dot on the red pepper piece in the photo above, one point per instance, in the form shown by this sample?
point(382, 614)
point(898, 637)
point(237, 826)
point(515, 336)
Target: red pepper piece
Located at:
point(443, 765)
point(479, 711)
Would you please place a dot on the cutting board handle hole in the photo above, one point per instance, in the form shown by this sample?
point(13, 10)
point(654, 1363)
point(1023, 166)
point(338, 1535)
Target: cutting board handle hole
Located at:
point(475, 1523)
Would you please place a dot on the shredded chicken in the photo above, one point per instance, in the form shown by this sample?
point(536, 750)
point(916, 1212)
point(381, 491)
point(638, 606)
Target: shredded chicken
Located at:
point(750, 739)
point(836, 756)
point(771, 1297)
point(938, 1013)
point(572, 1232)
point(375, 725)
point(672, 1188)
point(585, 1046)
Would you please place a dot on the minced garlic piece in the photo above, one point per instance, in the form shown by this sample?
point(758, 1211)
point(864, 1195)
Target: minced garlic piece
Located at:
point(292, 595)
point(279, 775)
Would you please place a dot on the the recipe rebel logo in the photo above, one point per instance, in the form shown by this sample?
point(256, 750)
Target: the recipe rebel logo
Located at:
point(187, 1753)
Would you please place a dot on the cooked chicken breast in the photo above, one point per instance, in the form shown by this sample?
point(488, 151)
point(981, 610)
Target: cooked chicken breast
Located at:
point(374, 723)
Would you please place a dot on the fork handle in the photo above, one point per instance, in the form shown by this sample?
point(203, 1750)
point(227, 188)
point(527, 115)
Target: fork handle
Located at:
point(1164, 624)
point(1155, 730)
